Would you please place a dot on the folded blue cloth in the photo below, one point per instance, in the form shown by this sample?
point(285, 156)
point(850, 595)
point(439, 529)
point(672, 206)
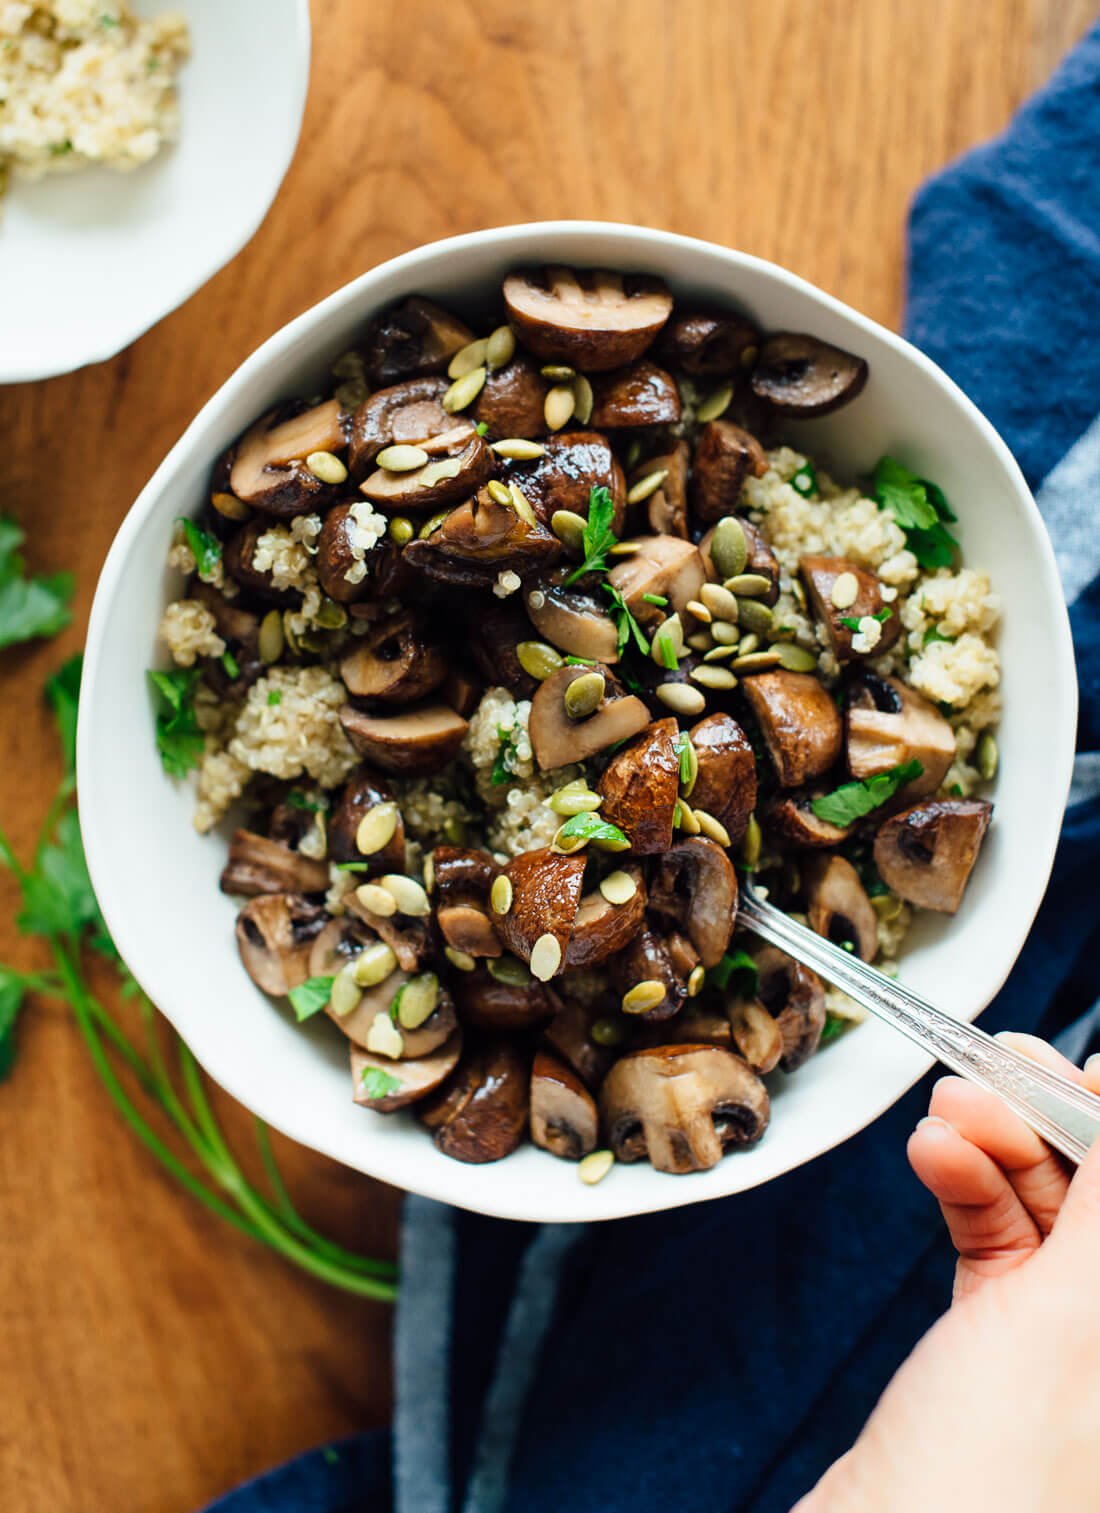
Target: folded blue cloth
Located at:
point(721, 1357)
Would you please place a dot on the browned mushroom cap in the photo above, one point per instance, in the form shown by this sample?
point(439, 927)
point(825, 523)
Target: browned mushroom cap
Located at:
point(238, 554)
point(564, 1120)
point(761, 559)
point(268, 470)
point(799, 375)
point(462, 690)
point(927, 852)
point(573, 464)
point(557, 740)
point(791, 815)
point(602, 928)
point(662, 566)
point(396, 662)
point(481, 539)
point(493, 633)
point(649, 958)
point(546, 894)
point(414, 1079)
point(709, 344)
point(569, 1035)
point(592, 319)
point(641, 395)
point(725, 785)
point(258, 865)
point(364, 791)
point(335, 558)
point(695, 885)
point(461, 880)
point(512, 401)
point(415, 743)
point(494, 1003)
point(480, 1114)
point(640, 787)
point(339, 943)
point(725, 455)
point(696, 1024)
point(756, 1034)
point(819, 575)
point(888, 725)
point(795, 997)
point(464, 463)
point(410, 413)
point(667, 508)
point(410, 939)
point(275, 933)
point(799, 722)
point(571, 619)
point(409, 339)
point(837, 905)
point(683, 1106)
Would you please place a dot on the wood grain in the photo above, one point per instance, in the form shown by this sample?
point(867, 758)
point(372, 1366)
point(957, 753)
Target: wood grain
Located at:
point(150, 1357)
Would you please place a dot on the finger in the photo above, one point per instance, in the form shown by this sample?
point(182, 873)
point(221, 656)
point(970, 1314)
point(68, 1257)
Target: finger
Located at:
point(988, 1224)
point(1090, 1074)
point(1039, 1176)
point(1041, 1051)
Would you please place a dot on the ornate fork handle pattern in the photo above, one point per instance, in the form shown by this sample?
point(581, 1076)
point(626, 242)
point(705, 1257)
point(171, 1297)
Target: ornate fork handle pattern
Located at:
point(1064, 1114)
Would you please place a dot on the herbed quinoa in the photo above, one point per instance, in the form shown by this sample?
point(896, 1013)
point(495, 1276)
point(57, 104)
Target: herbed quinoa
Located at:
point(504, 654)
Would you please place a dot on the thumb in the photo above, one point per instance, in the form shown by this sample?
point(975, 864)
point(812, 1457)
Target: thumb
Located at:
point(1075, 1240)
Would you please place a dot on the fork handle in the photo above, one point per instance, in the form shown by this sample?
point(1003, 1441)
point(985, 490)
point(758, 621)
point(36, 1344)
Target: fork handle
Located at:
point(1063, 1113)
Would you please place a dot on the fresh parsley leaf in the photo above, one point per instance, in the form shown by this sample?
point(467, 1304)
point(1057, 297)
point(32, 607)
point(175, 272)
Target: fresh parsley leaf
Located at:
point(739, 967)
point(481, 428)
point(298, 800)
point(932, 548)
point(598, 538)
point(625, 624)
point(851, 801)
point(63, 695)
point(833, 1028)
point(658, 600)
point(379, 1084)
point(804, 482)
point(932, 634)
point(12, 992)
point(274, 698)
point(29, 607)
point(108, 22)
point(310, 997)
point(179, 739)
point(589, 827)
point(920, 508)
point(852, 621)
point(231, 665)
point(57, 895)
point(60, 149)
point(205, 548)
point(508, 736)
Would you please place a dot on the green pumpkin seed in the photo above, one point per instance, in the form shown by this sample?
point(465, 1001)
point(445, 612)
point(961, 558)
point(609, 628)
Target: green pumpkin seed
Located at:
point(595, 1167)
point(375, 898)
point(467, 358)
point(499, 492)
point(646, 486)
point(685, 819)
point(500, 894)
point(377, 828)
point(430, 527)
point(748, 643)
point(330, 615)
point(327, 467)
point(751, 843)
point(714, 677)
point(618, 887)
point(725, 632)
point(696, 978)
point(574, 798)
point(715, 404)
point(887, 906)
point(558, 406)
point(500, 347)
point(643, 996)
point(230, 507)
point(545, 957)
point(538, 660)
point(522, 505)
point(986, 755)
point(401, 459)
point(462, 960)
point(713, 829)
point(384, 1038)
point(416, 1001)
point(271, 640)
point(701, 641)
point(719, 653)
point(583, 400)
point(607, 1032)
point(401, 529)
point(681, 698)
point(374, 964)
point(584, 695)
point(689, 759)
point(729, 550)
point(756, 661)
point(754, 616)
point(697, 608)
point(509, 970)
point(344, 996)
point(410, 896)
point(464, 390)
point(845, 590)
point(749, 585)
point(721, 603)
point(517, 449)
point(795, 658)
point(455, 831)
point(558, 373)
point(569, 528)
point(435, 472)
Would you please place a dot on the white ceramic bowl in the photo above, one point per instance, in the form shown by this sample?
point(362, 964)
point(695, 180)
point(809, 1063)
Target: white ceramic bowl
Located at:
point(157, 880)
point(90, 260)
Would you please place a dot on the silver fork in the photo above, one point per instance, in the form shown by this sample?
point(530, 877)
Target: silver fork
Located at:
point(1064, 1114)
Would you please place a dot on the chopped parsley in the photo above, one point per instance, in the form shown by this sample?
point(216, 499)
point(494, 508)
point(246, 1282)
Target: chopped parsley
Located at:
point(231, 665)
point(921, 510)
point(63, 695)
point(379, 1084)
point(310, 997)
point(274, 698)
point(508, 736)
point(662, 643)
point(481, 428)
point(628, 628)
point(833, 1028)
point(108, 22)
point(589, 827)
point(179, 739)
point(739, 968)
point(598, 538)
point(804, 482)
point(657, 600)
point(204, 547)
point(353, 866)
point(59, 149)
point(851, 622)
point(683, 748)
point(29, 607)
point(298, 800)
point(932, 635)
point(851, 801)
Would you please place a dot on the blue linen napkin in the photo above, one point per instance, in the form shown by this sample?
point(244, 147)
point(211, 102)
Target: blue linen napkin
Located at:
point(720, 1357)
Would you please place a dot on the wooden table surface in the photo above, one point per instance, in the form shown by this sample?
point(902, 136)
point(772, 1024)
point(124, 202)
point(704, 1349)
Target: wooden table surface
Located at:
point(150, 1357)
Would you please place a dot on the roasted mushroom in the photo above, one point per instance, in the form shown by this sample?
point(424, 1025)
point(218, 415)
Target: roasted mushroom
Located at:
point(570, 1036)
point(378, 1084)
point(258, 865)
point(275, 933)
point(795, 998)
point(725, 456)
point(756, 1034)
point(503, 996)
point(799, 722)
point(512, 401)
point(564, 1120)
point(239, 554)
point(725, 784)
point(640, 788)
point(415, 743)
point(641, 395)
point(571, 466)
point(558, 739)
point(799, 375)
point(841, 594)
point(410, 339)
point(683, 1106)
point(397, 662)
point(760, 559)
point(926, 853)
point(336, 558)
point(546, 894)
point(462, 464)
point(662, 567)
point(480, 1113)
point(694, 885)
point(666, 508)
point(791, 816)
point(709, 344)
point(837, 905)
point(571, 619)
point(407, 414)
point(605, 926)
point(889, 725)
point(365, 793)
point(461, 881)
point(480, 540)
point(494, 632)
point(269, 469)
point(650, 976)
point(592, 321)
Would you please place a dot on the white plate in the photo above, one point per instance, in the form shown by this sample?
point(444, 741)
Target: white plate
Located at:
point(157, 880)
point(90, 260)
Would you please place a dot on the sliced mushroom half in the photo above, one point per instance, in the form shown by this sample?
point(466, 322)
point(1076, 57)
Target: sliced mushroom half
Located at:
point(801, 376)
point(695, 885)
point(760, 558)
point(512, 401)
point(363, 793)
point(557, 739)
point(378, 1084)
point(462, 879)
point(725, 784)
point(462, 465)
point(683, 1106)
point(564, 1119)
point(799, 722)
point(569, 1035)
point(795, 997)
point(269, 471)
point(275, 934)
point(602, 927)
point(641, 395)
point(398, 661)
point(410, 339)
point(756, 1034)
point(546, 894)
point(414, 743)
point(709, 344)
point(725, 455)
point(663, 567)
point(572, 620)
point(889, 725)
point(572, 465)
point(837, 905)
point(860, 593)
point(493, 633)
point(640, 788)
point(408, 413)
point(592, 320)
point(258, 865)
point(651, 962)
point(480, 1113)
point(791, 815)
point(481, 539)
point(926, 853)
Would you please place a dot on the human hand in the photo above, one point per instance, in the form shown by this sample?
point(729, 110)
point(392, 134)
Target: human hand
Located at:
point(998, 1405)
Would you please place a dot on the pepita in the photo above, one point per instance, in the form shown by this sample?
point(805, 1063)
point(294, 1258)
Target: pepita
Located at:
point(374, 964)
point(688, 823)
point(271, 640)
point(618, 887)
point(713, 829)
point(714, 677)
point(681, 698)
point(725, 632)
point(715, 404)
point(643, 996)
point(464, 390)
point(522, 505)
point(751, 843)
point(401, 529)
point(574, 799)
point(845, 590)
point(509, 970)
point(410, 896)
point(696, 978)
point(607, 1032)
point(558, 406)
point(462, 960)
point(756, 661)
point(518, 449)
point(229, 506)
point(987, 756)
point(344, 996)
point(729, 551)
point(500, 347)
point(430, 527)
point(401, 458)
point(721, 603)
point(583, 400)
point(417, 1000)
point(569, 528)
point(467, 358)
point(584, 695)
point(500, 894)
point(499, 492)
point(377, 827)
point(754, 616)
point(384, 1038)
point(749, 585)
point(558, 372)
point(700, 611)
point(538, 660)
point(646, 486)
point(595, 1167)
point(375, 898)
point(327, 467)
point(795, 658)
point(545, 957)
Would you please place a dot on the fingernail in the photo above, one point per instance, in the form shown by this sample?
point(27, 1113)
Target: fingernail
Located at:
point(931, 1121)
point(1092, 1065)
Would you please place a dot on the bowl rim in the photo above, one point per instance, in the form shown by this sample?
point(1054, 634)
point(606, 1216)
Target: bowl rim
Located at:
point(284, 147)
point(635, 240)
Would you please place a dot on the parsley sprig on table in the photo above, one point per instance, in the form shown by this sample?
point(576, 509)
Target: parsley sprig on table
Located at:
point(59, 908)
point(921, 510)
point(851, 801)
point(29, 607)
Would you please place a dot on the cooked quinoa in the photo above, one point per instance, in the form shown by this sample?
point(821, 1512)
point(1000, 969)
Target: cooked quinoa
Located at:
point(189, 631)
point(85, 81)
